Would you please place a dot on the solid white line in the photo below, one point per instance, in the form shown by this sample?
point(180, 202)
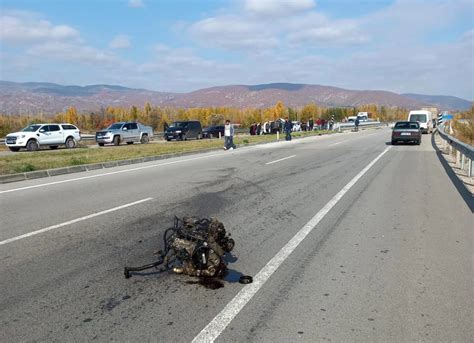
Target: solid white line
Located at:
point(220, 322)
point(49, 228)
point(107, 174)
point(336, 143)
point(281, 159)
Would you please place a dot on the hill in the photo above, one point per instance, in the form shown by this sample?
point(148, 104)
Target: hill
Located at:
point(443, 102)
point(49, 98)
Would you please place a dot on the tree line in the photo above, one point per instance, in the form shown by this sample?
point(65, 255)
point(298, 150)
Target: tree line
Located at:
point(156, 116)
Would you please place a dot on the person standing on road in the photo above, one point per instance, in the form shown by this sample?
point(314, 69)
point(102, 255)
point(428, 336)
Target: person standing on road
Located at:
point(287, 129)
point(356, 123)
point(229, 136)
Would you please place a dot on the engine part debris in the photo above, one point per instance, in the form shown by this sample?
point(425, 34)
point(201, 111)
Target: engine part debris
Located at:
point(194, 247)
point(245, 279)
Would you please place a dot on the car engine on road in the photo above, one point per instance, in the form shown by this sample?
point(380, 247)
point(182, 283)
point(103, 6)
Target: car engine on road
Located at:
point(194, 247)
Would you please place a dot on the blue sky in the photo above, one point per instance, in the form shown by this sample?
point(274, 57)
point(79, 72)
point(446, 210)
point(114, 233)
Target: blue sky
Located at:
point(182, 45)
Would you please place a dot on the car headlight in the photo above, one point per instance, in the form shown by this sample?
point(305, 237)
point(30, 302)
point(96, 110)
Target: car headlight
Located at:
point(178, 131)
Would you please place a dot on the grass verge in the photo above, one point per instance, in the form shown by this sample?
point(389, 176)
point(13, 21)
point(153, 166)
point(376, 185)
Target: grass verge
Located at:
point(31, 161)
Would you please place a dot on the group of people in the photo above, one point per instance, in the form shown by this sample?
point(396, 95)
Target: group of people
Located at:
point(269, 127)
point(255, 129)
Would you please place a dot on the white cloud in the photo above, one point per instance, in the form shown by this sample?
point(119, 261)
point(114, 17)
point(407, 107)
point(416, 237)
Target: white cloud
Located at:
point(72, 53)
point(23, 27)
point(135, 3)
point(277, 7)
point(120, 42)
point(232, 32)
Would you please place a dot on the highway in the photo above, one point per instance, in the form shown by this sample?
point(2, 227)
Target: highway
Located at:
point(348, 239)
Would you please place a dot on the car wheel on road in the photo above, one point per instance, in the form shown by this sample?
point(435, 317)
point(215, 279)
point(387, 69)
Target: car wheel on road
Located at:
point(12, 148)
point(32, 145)
point(394, 142)
point(53, 147)
point(144, 139)
point(167, 139)
point(116, 140)
point(418, 142)
point(101, 144)
point(70, 143)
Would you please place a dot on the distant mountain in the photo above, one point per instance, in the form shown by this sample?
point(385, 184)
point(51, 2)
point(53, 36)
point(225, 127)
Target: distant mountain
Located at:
point(443, 102)
point(50, 98)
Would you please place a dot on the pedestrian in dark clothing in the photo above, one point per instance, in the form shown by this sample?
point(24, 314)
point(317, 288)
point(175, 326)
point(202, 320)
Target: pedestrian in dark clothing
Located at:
point(311, 124)
point(287, 129)
point(356, 124)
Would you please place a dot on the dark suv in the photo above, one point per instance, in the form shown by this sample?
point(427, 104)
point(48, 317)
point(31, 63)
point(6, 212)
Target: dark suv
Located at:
point(213, 131)
point(184, 130)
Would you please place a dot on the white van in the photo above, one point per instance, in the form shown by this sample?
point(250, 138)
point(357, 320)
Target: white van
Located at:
point(425, 118)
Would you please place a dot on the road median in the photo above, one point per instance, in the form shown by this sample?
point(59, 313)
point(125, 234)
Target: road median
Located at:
point(31, 165)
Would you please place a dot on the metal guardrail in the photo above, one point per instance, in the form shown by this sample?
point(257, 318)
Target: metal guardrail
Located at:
point(464, 152)
point(362, 124)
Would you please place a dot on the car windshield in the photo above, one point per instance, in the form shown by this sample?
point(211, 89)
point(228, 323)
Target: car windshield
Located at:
point(407, 125)
point(115, 126)
point(178, 124)
point(31, 128)
point(418, 117)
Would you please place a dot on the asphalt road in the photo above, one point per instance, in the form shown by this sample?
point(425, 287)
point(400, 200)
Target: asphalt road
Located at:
point(383, 247)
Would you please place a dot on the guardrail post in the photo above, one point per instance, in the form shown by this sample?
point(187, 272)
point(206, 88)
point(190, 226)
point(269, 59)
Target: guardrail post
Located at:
point(278, 135)
point(457, 157)
point(469, 168)
point(462, 161)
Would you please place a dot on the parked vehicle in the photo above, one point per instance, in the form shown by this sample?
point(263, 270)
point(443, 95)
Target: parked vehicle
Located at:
point(184, 130)
point(129, 132)
point(406, 131)
point(424, 117)
point(34, 136)
point(213, 131)
point(296, 126)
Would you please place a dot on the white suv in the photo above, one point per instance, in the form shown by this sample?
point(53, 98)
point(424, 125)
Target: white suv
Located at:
point(36, 135)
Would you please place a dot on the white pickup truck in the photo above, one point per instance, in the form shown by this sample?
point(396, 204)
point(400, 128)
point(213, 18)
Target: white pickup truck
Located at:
point(36, 135)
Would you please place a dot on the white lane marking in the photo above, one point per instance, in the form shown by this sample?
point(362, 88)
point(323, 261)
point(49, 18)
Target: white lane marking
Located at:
point(220, 322)
point(281, 159)
point(49, 228)
point(336, 143)
point(107, 174)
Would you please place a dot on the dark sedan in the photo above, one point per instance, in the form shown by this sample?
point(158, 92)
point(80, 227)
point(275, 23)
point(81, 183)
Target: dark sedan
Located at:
point(406, 131)
point(213, 131)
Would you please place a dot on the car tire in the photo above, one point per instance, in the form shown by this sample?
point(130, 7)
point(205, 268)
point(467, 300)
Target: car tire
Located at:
point(13, 148)
point(144, 139)
point(199, 136)
point(117, 140)
point(167, 139)
point(418, 142)
point(53, 147)
point(70, 143)
point(394, 142)
point(100, 144)
point(32, 145)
